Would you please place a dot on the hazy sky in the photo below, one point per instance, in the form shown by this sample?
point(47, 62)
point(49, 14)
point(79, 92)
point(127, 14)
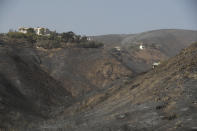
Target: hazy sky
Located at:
point(94, 17)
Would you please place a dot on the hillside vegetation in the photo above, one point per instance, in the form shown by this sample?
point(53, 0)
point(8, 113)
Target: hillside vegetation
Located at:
point(54, 40)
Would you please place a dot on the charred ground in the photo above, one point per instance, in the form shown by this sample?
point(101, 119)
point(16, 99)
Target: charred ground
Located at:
point(102, 88)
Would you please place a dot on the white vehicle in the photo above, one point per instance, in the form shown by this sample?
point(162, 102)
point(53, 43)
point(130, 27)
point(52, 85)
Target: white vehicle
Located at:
point(155, 64)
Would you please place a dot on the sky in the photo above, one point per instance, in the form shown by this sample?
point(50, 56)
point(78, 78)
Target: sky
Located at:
point(97, 17)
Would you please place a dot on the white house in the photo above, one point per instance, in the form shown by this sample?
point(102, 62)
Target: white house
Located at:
point(42, 31)
point(38, 30)
point(117, 48)
point(23, 30)
point(88, 38)
point(141, 47)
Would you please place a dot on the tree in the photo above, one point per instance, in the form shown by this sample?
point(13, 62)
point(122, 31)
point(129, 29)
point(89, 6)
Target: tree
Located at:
point(68, 36)
point(31, 31)
point(42, 31)
point(71, 34)
point(64, 37)
point(90, 44)
point(31, 37)
point(77, 38)
point(53, 35)
point(84, 39)
point(11, 30)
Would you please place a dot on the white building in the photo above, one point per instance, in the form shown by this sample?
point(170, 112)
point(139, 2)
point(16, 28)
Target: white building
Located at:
point(42, 31)
point(88, 38)
point(38, 30)
point(155, 64)
point(117, 48)
point(141, 47)
point(23, 30)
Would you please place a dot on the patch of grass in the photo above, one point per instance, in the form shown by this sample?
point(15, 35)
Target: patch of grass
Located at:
point(90, 44)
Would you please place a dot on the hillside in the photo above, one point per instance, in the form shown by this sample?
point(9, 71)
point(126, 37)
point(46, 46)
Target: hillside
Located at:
point(27, 94)
point(81, 86)
point(161, 99)
point(166, 36)
point(159, 46)
point(37, 83)
point(83, 70)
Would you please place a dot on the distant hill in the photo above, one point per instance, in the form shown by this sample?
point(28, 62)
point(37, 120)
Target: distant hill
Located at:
point(155, 37)
point(110, 40)
point(159, 45)
point(170, 42)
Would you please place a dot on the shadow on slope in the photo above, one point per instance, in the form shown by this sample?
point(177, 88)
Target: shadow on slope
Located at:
point(27, 94)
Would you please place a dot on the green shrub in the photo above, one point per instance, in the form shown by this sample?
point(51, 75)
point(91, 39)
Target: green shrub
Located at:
point(48, 44)
point(16, 35)
point(53, 36)
point(30, 37)
point(90, 44)
point(68, 36)
point(31, 31)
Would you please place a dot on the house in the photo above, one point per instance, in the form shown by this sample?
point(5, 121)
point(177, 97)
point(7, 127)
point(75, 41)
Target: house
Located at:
point(141, 47)
point(117, 48)
point(23, 30)
point(155, 64)
point(38, 30)
point(42, 31)
point(88, 38)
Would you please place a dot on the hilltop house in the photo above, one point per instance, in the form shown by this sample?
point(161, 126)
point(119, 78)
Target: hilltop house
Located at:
point(117, 48)
point(38, 30)
point(42, 31)
point(23, 30)
point(88, 38)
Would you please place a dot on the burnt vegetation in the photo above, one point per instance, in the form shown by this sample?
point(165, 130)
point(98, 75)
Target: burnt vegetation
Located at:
point(98, 89)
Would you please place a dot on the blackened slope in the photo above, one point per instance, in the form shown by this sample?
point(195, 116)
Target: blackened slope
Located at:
point(83, 70)
point(27, 92)
point(162, 99)
point(14, 105)
point(166, 94)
